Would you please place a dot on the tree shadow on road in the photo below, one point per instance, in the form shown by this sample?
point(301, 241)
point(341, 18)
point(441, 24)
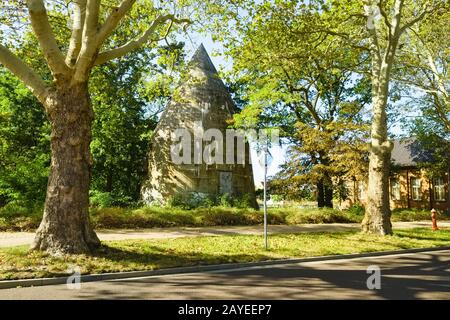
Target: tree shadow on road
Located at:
point(409, 277)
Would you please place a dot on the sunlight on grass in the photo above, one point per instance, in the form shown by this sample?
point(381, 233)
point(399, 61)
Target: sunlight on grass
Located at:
point(128, 255)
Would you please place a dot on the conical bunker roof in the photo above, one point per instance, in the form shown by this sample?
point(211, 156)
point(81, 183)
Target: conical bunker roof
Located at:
point(201, 60)
point(201, 102)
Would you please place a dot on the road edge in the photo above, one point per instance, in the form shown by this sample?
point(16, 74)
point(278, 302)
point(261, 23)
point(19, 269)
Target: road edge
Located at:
point(8, 284)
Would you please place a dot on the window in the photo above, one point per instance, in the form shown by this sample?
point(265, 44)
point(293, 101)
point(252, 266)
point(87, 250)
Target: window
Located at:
point(439, 189)
point(415, 189)
point(395, 189)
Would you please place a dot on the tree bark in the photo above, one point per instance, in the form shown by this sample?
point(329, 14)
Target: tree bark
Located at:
point(320, 194)
point(377, 218)
point(65, 227)
point(328, 192)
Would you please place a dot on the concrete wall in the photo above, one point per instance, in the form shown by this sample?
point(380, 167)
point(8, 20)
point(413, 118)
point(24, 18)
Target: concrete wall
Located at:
point(201, 99)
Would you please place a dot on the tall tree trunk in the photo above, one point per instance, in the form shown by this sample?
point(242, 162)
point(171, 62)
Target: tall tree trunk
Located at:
point(328, 192)
point(377, 218)
point(320, 194)
point(65, 227)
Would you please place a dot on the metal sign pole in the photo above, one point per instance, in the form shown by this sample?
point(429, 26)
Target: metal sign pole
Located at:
point(265, 198)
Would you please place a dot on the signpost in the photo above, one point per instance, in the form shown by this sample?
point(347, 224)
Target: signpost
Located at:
point(265, 196)
point(264, 161)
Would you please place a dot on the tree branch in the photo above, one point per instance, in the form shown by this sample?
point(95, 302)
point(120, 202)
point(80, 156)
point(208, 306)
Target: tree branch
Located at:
point(88, 43)
point(135, 44)
point(46, 38)
point(113, 20)
point(385, 17)
point(418, 18)
point(30, 78)
point(79, 16)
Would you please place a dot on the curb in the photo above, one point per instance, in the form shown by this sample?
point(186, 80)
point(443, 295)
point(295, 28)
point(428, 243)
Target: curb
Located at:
point(8, 284)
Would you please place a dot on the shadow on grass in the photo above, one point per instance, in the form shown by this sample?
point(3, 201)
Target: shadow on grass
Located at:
point(156, 257)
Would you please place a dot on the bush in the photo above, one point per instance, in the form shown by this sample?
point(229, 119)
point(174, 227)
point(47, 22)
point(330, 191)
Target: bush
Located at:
point(224, 200)
point(416, 215)
point(100, 199)
point(190, 200)
point(14, 209)
point(15, 216)
point(223, 218)
point(194, 200)
point(357, 210)
point(108, 217)
point(146, 217)
point(319, 215)
point(243, 202)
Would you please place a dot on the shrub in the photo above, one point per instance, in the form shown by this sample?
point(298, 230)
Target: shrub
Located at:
point(416, 215)
point(16, 217)
point(225, 200)
point(243, 202)
point(14, 209)
point(193, 200)
point(319, 215)
point(108, 217)
point(356, 209)
point(190, 200)
point(223, 218)
point(100, 199)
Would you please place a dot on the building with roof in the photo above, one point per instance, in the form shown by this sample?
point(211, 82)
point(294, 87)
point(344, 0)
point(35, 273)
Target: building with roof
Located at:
point(200, 108)
point(410, 184)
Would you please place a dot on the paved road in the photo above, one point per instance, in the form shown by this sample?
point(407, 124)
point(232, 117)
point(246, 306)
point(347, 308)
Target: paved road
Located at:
point(10, 239)
point(423, 275)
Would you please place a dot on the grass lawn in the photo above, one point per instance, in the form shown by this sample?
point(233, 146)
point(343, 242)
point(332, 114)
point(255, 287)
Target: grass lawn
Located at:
point(128, 255)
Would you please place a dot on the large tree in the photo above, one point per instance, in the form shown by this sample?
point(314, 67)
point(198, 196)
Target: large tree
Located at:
point(65, 227)
point(424, 70)
point(387, 22)
point(379, 27)
point(302, 80)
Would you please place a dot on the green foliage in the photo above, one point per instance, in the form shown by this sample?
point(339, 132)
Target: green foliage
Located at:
point(423, 76)
point(100, 199)
point(24, 144)
point(245, 201)
point(291, 75)
point(356, 210)
point(416, 215)
point(320, 215)
point(192, 200)
point(127, 95)
point(16, 216)
point(225, 200)
point(127, 98)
